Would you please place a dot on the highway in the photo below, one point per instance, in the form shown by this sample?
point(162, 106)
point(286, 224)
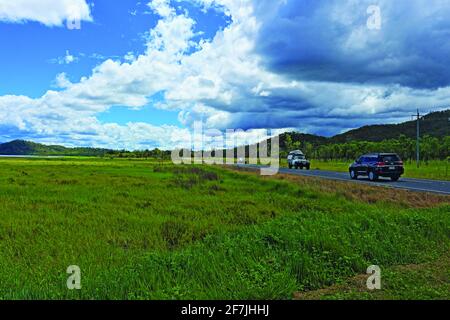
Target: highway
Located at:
point(419, 185)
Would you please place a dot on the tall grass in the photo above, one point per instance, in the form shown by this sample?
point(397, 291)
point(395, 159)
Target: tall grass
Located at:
point(142, 230)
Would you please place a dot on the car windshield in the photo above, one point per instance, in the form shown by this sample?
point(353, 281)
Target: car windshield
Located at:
point(390, 158)
point(299, 157)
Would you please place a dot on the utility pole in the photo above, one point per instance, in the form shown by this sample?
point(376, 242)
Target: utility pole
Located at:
point(418, 138)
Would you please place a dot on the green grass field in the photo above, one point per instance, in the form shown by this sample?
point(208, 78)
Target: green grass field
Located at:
point(141, 230)
point(435, 170)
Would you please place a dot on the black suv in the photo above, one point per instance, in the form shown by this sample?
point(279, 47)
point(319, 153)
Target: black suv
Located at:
point(377, 165)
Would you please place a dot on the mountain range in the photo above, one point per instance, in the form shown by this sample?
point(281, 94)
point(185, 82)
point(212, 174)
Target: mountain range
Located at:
point(435, 124)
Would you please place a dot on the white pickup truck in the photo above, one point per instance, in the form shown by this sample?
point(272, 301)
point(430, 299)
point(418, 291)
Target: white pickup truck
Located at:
point(296, 159)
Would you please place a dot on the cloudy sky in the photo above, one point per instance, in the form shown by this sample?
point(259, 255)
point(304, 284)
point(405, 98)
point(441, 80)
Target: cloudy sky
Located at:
point(139, 74)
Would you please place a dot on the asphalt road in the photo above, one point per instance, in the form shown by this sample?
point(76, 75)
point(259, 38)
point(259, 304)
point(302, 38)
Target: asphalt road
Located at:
point(419, 185)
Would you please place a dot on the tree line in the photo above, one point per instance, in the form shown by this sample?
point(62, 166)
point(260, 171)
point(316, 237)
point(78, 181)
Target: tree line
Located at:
point(431, 148)
point(139, 154)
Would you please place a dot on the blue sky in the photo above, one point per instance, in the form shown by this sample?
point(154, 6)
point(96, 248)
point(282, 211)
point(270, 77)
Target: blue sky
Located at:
point(117, 30)
point(139, 74)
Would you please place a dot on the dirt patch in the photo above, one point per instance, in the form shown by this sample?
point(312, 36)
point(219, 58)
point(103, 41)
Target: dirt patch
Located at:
point(356, 284)
point(437, 273)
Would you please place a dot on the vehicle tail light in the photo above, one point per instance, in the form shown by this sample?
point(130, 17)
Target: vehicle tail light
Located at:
point(380, 164)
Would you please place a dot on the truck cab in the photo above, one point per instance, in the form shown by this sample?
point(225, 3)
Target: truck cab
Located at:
point(297, 159)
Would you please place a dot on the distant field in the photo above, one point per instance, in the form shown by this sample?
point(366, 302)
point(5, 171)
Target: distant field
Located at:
point(141, 230)
point(436, 170)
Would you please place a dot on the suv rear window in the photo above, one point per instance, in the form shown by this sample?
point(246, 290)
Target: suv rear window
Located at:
point(389, 158)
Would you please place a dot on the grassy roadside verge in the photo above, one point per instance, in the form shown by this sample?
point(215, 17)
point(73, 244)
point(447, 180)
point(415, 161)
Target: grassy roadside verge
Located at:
point(298, 253)
point(425, 281)
point(434, 170)
point(139, 230)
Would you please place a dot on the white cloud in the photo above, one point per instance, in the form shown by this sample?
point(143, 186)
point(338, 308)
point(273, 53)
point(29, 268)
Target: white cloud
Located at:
point(235, 79)
point(68, 58)
point(61, 81)
point(225, 82)
point(69, 116)
point(330, 41)
point(162, 7)
point(129, 57)
point(47, 12)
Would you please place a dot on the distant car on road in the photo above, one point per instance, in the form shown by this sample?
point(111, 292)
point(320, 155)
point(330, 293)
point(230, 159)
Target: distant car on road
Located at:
point(377, 165)
point(298, 160)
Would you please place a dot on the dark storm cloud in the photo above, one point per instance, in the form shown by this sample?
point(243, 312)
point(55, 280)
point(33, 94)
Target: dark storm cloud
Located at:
point(330, 41)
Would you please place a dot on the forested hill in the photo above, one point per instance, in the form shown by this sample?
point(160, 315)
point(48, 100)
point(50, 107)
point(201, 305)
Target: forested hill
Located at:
point(435, 124)
point(399, 138)
point(21, 147)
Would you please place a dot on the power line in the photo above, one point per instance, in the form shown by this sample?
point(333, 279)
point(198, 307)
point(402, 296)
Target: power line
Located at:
point(418, 137)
